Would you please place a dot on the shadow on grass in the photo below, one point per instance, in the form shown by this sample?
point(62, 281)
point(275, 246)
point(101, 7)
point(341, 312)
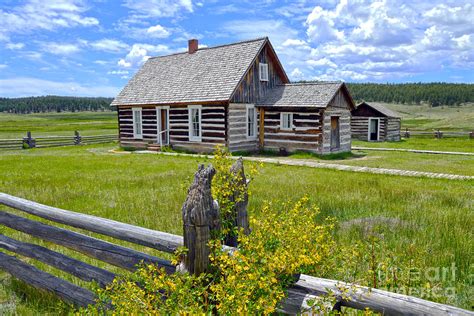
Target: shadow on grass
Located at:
point(302, 155)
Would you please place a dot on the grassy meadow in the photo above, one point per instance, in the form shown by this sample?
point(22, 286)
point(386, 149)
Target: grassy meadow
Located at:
point(53, 124)
point(425, 118)
point(420, 224)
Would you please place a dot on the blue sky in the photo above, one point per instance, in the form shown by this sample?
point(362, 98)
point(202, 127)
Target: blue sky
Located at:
point(93, 47)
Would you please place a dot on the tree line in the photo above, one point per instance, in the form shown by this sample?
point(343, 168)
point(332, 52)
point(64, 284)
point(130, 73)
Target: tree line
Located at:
point(52, 103)
point(435, 94)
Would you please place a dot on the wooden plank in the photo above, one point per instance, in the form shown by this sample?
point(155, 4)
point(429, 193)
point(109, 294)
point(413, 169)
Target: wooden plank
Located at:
point(45, 281)
point(72, 266)
point(116, 255)
point(361, 297)
point(139, 235)
point(261, 136)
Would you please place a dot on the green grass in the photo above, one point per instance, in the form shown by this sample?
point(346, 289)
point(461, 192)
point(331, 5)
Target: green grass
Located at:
point(461, 144)
point(50, 124)
point(148, 190)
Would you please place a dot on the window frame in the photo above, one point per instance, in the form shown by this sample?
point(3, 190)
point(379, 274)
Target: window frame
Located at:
point(137, 135)
point(263, 74)
point(192, 137)
point(247, 129)
point(282, 126)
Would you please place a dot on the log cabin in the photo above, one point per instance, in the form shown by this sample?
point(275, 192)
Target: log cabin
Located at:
point(236, 95)
point(374, 122)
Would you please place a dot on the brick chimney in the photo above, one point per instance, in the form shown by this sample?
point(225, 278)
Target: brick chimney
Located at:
point(192, 46)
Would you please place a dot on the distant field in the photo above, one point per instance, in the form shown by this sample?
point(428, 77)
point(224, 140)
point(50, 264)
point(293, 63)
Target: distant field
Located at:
point(424, 117)
point(49, 124)
point(423, 223)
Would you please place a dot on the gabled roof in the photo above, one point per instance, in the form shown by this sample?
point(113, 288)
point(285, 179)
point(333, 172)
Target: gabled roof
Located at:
point(310, 94)
point(208, 75)
point(379, 108)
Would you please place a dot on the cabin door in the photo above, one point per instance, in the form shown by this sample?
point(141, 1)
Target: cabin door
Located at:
point(373, 129)
point(163, 121)
point(335, 138)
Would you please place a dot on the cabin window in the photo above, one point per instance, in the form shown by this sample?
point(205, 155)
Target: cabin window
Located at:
point(286, 120)
point(251, 121)
point(195, 127)
point(263, 71)
point(137, 123)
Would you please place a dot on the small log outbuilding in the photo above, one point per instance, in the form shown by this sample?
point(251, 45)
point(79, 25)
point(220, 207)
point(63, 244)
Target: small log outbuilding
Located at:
point(373, 122)
point(236, 95)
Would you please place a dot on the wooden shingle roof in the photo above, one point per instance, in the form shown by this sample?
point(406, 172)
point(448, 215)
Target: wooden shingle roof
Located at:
point(208, 75)
point(379, 108)
point(311, 94)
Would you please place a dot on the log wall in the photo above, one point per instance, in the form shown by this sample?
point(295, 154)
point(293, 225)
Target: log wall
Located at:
point(393, 129)
point(389, 128)
point(213, 127)
point(126, 127)
point(251, 89)
point(339, 106)
point(306, 134)
point(237, 129)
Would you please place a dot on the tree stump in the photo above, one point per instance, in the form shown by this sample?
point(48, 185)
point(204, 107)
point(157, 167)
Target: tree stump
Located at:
point(200, 217)
point(240, 197)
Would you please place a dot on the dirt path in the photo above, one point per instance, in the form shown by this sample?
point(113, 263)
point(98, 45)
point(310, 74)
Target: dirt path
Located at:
point(324, 165)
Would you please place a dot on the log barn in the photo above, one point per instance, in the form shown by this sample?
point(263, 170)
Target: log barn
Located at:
point(236, 95)
point(374, 122)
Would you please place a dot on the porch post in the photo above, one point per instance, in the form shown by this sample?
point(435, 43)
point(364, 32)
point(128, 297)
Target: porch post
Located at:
point(261, 132)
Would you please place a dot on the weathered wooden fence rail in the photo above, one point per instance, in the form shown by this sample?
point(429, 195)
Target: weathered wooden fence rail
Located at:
point(54, 141)
point(199, 217)
point(437, 133)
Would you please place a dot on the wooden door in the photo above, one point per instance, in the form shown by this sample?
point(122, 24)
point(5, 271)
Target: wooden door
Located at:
point(335, 138)
point(162, 118)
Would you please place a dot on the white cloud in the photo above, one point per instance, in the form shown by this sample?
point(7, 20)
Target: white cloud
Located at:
point(118, 72)
point(60, 48)
point(14, 46)
point(293, 42)
point(386, 40)
point(45, 15)
point(158, 31)
point(159, 8)
point(296, 74)
point(277, 30)
point(321, 26)
point(3, 66)
point(109, 45)
point(139, 53)
point(27, 86)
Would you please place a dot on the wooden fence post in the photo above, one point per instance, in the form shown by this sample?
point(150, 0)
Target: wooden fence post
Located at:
point(77, 138)
point(29, 141)
point(407, 133)
point(200, 217)
point(471, 135)
point(438, 134)
point(239, 215)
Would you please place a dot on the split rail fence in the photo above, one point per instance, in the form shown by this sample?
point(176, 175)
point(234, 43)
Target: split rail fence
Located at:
point(437, 133)
point(55, 141)
point(199, 215)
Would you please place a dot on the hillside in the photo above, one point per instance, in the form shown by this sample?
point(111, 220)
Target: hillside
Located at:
point(434, 94)
point(53, 103)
